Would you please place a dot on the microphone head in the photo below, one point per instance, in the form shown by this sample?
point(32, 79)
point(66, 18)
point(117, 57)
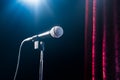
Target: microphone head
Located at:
point(56, 32)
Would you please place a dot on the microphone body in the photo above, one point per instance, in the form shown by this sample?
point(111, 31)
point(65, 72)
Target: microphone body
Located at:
point(55, 32)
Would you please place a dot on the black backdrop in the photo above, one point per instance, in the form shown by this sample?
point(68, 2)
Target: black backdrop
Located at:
point(63, 58)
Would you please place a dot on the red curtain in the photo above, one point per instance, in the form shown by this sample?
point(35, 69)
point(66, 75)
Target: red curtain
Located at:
point(102, 40)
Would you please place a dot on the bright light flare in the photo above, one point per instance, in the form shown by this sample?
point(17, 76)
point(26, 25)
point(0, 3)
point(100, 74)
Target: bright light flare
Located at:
point(31, 3)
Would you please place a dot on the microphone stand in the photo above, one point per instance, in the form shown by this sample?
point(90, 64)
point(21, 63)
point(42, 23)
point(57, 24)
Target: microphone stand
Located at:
point(41, 61)
point(36, 46)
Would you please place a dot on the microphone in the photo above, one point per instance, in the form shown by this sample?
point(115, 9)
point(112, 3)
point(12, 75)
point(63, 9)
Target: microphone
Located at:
point(55, 32)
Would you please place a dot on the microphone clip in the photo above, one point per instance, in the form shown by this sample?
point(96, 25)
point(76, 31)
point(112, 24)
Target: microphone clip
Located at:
point(38, 44)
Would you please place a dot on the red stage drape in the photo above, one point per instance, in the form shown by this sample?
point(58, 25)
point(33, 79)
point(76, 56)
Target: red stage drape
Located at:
point(102, 40)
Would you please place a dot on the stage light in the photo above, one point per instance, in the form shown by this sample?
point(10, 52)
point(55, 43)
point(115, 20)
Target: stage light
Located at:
point(31, 3)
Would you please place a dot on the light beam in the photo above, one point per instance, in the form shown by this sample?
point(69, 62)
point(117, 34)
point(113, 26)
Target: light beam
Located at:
point(31, 3)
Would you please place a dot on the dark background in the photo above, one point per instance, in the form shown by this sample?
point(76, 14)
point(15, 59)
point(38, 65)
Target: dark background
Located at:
point(63, 58)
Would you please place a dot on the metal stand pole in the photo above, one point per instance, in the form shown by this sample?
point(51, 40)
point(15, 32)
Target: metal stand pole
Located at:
point(40, 46)
point(41, 61)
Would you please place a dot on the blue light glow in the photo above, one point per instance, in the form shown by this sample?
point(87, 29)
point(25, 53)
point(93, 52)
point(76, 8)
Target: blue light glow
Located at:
point(31, 3)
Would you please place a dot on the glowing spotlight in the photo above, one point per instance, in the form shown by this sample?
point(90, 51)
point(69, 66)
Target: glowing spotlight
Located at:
point(31, 3)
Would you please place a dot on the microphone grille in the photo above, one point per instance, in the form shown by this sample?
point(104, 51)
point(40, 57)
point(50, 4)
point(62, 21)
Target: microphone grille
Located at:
point(56, 32)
